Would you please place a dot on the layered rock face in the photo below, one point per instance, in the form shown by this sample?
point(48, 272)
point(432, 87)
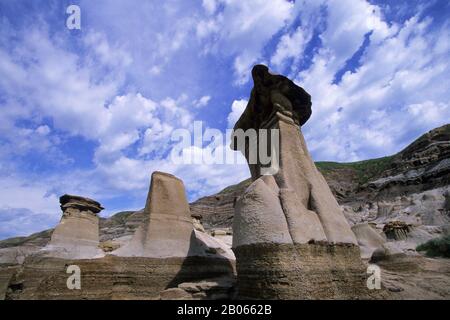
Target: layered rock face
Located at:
point(217, 210)
point(406, 196)
point(110, 277)
point(76, 236)
point(290, 236)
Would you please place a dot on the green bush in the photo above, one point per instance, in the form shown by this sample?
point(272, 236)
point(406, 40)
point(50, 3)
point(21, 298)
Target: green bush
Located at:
point(438, 247)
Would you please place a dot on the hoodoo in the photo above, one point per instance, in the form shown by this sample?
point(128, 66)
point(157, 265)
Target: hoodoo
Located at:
point(167, 229)
point(290, 237)
point(77, 234)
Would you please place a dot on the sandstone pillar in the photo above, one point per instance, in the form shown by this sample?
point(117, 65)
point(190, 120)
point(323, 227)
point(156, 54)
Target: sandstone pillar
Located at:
point(77, 234)
point(167, 230)
point(290, 238)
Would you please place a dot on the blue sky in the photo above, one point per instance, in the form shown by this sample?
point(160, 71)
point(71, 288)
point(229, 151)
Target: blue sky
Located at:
point(91, 111)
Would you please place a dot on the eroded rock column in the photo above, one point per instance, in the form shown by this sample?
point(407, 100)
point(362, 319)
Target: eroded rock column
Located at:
point(167, 230)
point(77, 234)
point(290, 237)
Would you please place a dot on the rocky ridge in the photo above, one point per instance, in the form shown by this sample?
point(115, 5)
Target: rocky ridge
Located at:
point(360, 187)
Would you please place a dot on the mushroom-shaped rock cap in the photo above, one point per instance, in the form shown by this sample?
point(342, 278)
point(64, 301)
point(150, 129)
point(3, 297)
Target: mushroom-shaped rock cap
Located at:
point(269, 89)
point(81, 203)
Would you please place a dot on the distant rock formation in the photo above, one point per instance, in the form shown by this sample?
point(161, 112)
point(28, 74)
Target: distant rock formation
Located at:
point(369, 240)
point(76, 236)
point(290, 237)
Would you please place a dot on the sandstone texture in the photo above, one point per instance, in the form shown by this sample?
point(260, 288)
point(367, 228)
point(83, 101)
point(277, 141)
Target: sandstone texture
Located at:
point(76, 236)
point(290, 237)
point(369, 239)
point(302, 271)
point(110, 277)
point(416, 277)
point(167, 229)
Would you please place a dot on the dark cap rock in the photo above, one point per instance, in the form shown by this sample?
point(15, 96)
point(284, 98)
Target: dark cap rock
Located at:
point(269, 89)
point(81, 203)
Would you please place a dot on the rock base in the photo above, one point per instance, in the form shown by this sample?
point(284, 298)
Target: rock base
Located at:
point(111, 277)
point(301, 271)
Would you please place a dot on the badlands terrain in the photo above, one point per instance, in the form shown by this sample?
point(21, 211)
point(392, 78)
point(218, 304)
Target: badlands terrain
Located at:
point(247, 241)
point(410, 187)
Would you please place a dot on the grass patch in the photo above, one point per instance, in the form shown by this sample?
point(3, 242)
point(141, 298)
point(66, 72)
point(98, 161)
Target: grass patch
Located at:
point(438, 247)
point(364, 169)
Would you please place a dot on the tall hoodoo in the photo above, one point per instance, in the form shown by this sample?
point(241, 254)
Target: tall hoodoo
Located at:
point(77, 234)
point(289, 233)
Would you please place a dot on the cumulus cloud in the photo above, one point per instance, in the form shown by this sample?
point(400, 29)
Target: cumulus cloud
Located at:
point(210, 5)
point(381, 98)
point(202, 102)
point(26, 207)
point(242, 28)
point(291, 46)
point(237, 108)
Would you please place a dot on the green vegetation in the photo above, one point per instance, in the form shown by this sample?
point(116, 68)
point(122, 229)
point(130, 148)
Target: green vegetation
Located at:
point(364, 169)
point(438, 247)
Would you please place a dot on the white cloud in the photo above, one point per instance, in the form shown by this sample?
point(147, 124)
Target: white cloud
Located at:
point(125, 117)
point(237, 108)
point(291, 46)
point(205, 28)
point(242, 29)
point(382, 98)
point(210, 5)
point(202, 102)
point(155, 70)
point(429, 112)
point(107, 54)
point(31, 195)
point(43, 130)
point(347, 23)
point(60, 89)
point(26, 207)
